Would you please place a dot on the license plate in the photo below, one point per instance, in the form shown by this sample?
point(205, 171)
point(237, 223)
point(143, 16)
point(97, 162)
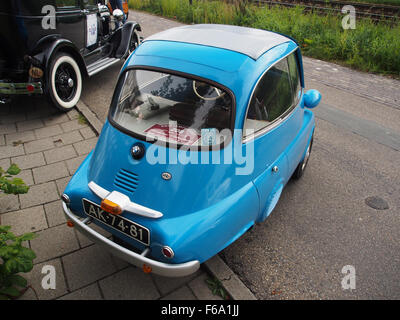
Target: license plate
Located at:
point(129, 228)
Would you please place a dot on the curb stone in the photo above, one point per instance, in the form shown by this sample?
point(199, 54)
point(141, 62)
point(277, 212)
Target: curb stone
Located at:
point(229, 280)
point(93, 121)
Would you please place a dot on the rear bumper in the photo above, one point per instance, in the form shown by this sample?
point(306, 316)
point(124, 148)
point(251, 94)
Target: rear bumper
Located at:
point(164, 269)
point(9, 88)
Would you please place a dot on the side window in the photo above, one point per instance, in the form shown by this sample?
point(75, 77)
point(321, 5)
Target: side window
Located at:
point(67, 3)
point(272, 97)
point(295, 77)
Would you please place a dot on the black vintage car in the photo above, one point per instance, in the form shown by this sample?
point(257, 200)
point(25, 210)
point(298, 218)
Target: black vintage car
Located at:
point(49, 46)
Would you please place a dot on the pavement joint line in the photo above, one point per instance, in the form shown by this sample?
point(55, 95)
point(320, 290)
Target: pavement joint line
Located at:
point(157, 288)
point(191, 290)
point(45, 216)
point(65, 275)
point(100, 290)
point(235, 288)
point(59, 256)
point(100, 279)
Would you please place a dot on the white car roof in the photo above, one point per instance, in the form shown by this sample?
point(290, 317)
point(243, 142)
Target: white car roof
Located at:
point(248, 41)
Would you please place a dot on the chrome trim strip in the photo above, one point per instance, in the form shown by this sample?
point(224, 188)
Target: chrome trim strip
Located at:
point(124, 201)
point(87, 220)
point(277, 121)
point(94, 71)
point(145, 252)
point(20, 88)
point(97, 190)
point(163, 269)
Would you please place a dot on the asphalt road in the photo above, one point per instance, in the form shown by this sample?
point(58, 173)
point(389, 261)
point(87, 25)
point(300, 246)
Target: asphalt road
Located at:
point(322, 222)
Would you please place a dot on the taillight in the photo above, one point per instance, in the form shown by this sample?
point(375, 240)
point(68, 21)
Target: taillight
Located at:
point(167, 252)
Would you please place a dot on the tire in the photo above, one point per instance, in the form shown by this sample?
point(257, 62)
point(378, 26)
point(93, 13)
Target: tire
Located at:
point(64, 81)
point(298, 173)
point(133, 42)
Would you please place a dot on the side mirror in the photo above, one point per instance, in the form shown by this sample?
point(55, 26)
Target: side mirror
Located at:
point(312, 98)
point(118, 14)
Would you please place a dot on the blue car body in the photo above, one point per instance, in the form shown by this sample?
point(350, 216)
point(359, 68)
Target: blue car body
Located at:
point(205, 207)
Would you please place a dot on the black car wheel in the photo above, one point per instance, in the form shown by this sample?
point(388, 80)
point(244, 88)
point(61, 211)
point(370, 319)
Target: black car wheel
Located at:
point(64, 81)
point(298, 173)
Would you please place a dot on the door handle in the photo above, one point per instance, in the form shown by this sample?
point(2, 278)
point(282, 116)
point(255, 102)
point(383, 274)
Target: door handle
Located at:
point(275, 169)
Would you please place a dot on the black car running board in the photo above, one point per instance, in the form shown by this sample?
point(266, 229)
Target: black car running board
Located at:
point(100, 65)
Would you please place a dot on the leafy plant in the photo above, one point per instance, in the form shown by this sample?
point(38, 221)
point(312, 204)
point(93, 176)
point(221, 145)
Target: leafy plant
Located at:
point(15, 259)
point(10, 185)
point(216, 288)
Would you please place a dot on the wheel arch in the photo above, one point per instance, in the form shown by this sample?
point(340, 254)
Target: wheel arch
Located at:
point(49, 56)
point(47, 50)
point(123, 36)
point(72, 50)
point(272, 201)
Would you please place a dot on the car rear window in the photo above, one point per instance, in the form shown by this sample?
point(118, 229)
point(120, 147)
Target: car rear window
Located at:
point(171, 108)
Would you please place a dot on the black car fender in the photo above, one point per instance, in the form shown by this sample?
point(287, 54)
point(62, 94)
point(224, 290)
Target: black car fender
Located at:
point(47, 49)
point(122, 36)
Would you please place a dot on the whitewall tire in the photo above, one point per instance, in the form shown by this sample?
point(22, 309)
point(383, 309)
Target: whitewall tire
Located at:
point(64, 81)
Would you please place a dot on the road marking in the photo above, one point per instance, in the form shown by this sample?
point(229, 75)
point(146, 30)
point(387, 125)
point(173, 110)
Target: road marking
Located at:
point(366, 128)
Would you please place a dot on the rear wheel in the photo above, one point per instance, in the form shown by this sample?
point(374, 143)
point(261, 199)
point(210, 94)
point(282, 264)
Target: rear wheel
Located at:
point(64, 81)
point(298, 173)
point(133, 42)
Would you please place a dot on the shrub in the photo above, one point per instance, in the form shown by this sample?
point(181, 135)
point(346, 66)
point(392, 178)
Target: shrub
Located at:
point(14, 257)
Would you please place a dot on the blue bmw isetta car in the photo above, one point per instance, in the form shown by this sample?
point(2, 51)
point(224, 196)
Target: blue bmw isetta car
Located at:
point(206, 126)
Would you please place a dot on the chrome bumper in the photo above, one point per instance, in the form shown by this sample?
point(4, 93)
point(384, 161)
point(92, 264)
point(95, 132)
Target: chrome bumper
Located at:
point(164, 269)
point(20, 88)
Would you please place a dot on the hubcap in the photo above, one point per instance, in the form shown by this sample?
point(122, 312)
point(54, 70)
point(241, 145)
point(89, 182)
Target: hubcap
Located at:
point(306, 158)
point(65, 82)
point(133, 44)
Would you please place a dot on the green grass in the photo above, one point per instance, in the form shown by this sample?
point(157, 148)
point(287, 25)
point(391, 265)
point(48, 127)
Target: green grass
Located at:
point(390, 2)
point(370, 47)
point(82, 120)
point(386, 2)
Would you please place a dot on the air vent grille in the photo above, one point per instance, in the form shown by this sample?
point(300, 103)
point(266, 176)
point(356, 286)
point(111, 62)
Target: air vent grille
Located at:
point(126, 180)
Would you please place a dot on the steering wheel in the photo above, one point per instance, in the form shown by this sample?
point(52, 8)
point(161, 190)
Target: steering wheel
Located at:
point(218, 91)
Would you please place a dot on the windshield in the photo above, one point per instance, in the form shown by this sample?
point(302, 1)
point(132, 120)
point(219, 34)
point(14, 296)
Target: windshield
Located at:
point(175, 109)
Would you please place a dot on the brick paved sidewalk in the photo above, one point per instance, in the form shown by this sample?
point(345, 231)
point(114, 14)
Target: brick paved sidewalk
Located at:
point(49, 146)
